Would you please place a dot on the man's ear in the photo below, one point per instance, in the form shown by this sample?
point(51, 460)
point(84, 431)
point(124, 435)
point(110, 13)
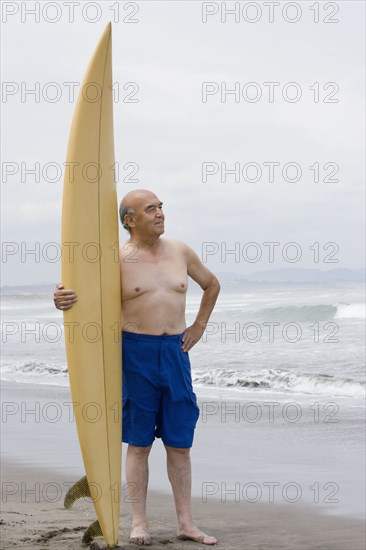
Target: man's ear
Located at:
point(130, 220)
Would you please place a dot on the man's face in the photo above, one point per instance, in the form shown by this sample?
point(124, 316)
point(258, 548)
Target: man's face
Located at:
point(149, 217)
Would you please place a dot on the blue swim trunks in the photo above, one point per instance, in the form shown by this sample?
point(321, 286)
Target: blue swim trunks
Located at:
point(158, 398)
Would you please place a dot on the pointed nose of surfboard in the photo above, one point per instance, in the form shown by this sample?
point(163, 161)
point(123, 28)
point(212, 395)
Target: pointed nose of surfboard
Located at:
point(105, 38)
point(108, 28)
point(101, 52)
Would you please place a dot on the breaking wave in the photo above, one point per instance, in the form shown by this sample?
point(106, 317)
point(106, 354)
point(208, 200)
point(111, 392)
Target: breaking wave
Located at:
point(282, 380)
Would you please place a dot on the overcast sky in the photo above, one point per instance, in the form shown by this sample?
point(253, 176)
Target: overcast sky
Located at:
point(171, 129)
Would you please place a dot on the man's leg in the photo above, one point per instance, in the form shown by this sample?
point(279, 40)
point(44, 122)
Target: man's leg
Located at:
point(137, 476)
point(179, 472)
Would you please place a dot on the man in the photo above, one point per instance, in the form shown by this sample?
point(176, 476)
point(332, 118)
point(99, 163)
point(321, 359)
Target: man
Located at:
point(158, 399)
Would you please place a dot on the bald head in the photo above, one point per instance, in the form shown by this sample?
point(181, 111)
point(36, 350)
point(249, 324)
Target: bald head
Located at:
point(132, 202)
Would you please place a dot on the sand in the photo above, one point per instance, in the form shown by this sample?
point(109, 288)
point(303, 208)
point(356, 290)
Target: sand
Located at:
point(41, 459)
point(37, 520)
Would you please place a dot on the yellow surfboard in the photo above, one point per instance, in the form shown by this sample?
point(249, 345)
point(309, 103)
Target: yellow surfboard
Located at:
point(90, 266)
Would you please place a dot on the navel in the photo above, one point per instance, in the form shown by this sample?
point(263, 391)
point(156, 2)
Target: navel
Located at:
point(137, 289)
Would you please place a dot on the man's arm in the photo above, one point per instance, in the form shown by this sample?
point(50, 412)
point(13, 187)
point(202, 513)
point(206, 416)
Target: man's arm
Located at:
point(211, 288)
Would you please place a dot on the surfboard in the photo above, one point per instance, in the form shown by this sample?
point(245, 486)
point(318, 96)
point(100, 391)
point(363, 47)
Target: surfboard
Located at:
point(90, 266)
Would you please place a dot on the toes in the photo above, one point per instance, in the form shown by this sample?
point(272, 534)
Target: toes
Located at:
point(201, 538)
point(209, 540)
point(141, 541)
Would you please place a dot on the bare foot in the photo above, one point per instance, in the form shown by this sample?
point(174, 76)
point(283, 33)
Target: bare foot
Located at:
point(140, 535)
point(196, 535)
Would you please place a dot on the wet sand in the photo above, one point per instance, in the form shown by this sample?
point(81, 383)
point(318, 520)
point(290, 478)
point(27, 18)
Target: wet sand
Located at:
point(41, 459)
point(33, 517)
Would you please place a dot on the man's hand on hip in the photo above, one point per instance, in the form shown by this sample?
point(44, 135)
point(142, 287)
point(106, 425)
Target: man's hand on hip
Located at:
point(191, 336)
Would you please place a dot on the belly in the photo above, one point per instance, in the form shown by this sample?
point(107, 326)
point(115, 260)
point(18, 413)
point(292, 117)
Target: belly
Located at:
point(156, 313)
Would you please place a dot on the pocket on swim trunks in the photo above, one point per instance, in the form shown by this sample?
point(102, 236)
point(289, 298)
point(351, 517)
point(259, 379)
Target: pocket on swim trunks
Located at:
point(194, 401)
point(185, 356)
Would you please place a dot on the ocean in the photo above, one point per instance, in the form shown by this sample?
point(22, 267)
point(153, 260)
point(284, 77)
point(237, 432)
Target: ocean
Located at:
point(303, 339)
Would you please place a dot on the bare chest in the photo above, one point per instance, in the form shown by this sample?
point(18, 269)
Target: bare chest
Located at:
point(147, 276)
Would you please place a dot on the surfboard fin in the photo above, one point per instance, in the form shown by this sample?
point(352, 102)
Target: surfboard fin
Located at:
point(81, 489)
point(78, 490)
point(92, 531)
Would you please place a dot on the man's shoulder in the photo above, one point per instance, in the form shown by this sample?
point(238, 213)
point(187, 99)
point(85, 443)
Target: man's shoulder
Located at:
point(179, 246)
point(175, 243)
point(129, 247)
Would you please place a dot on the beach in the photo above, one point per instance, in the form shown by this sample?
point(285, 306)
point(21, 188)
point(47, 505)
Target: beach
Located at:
point(32, 525)
point(278, 459)
point(41, 459)
point(239, 125)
